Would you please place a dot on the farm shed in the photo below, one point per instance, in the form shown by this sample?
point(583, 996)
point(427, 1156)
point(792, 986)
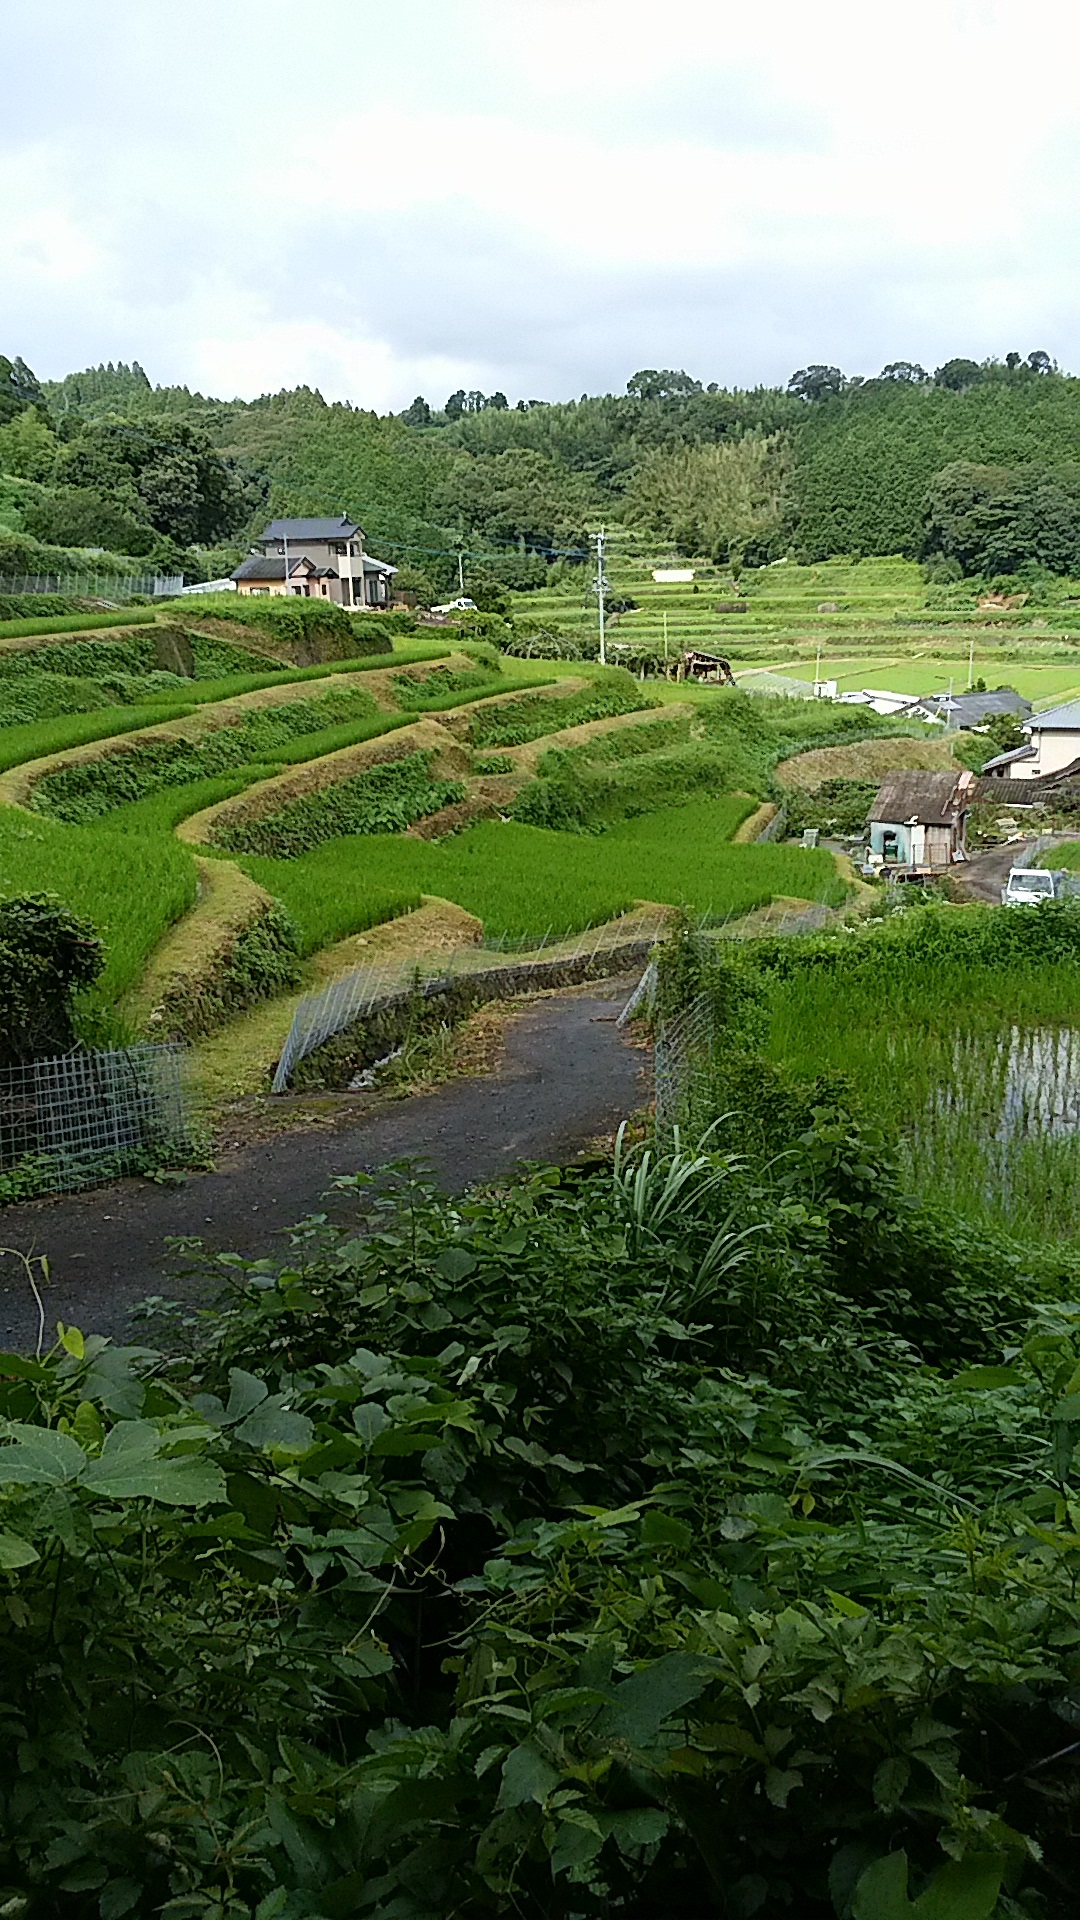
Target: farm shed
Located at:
point(918, 820)
point(696, 665)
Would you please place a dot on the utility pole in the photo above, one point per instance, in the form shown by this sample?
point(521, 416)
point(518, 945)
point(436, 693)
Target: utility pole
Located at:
point(461, 573)
point(285, 542)
point(971, 661)
point(600, 585)
point(665, 637)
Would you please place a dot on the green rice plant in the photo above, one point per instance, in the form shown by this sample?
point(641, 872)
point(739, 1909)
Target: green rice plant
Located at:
point(38, 739)
point(957, 1032)
point(131, 889)
point(135, 653)
point(162, 812)
point(86, 791)
point(72, 623)
point(524, 882)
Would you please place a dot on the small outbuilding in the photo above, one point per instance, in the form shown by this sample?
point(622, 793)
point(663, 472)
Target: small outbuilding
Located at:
point(696, 665)
point(918, 821)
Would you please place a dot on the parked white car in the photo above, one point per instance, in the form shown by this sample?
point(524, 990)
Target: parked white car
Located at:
point(1030, 886)
point(464, 605)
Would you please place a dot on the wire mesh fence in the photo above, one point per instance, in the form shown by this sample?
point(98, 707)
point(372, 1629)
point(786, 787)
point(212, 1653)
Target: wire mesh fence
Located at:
point(82, 1118)
point(687, 1049)
point(98, 586)
point(351, 999)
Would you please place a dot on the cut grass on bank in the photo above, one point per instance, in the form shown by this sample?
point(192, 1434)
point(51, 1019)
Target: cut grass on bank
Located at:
point(525, 881)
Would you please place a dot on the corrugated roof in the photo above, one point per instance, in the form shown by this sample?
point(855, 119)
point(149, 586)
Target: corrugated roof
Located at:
point(340, 529)
point(1006, 759)
point(371, 565)
point(929, 798)
point(1065, 719)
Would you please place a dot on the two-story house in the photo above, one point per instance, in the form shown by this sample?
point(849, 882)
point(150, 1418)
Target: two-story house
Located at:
point(318, 559)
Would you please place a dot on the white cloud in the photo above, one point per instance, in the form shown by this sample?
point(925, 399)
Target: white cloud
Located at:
point(539, 196)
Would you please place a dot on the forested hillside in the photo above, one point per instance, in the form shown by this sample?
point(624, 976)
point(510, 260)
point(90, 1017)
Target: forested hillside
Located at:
point(975, 469)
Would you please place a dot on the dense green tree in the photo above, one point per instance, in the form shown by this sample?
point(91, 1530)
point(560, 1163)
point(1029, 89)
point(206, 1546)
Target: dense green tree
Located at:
point(721, 499)
point(47, 956)
point(172, 478)
point(816, 383)
point(908, 372)
point(665, 384)
point(417, 414)
point(958, 374)
point(83, 517)
point(995, 520)
point(28, 445)
point(515, 496)
point(19, 388)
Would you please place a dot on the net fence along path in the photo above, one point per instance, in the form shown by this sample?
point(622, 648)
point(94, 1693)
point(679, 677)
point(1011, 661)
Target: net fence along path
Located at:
point(349, 1000)
point(82, 1118)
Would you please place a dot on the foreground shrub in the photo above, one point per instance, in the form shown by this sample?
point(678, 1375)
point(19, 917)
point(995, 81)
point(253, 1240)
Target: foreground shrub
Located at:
point(47, 956)
point(576, 1549)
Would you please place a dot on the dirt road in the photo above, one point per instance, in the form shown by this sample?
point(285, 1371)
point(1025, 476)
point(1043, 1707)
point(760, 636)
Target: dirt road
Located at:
point(567, 1075)
point(985, 874)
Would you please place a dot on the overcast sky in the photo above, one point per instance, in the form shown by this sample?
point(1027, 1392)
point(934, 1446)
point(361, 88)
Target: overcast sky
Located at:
point(385, 197)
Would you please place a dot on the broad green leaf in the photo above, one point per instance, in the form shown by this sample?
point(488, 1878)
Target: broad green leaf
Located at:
point(118, 1898)
point(273, 1425)
point(780, 1783)
point(964, 1890)
point(245, 1394)
point(526, 1775)
point(87, 1426)
point(71, 1340)
point(370, 1420)
point(961, 1890)
point(642, 1703)
point(987, 1377)
point(1068, 1409)
point(37, 1456)
point(15, 1552)
point(131, 1475)
point(882, 1890)
point(638, 1826)
point(455, 1263)
point(890, 1782)
point(848, 1607)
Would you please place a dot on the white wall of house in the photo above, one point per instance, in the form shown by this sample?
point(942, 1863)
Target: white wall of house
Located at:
point(1054, 748)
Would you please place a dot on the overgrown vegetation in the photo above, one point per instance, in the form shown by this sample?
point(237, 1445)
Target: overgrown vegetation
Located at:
point(512, 723)
point(384, 799)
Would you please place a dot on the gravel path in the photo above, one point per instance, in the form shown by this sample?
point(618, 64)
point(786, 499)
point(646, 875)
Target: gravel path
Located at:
point(985, 874)
point(567, 1075)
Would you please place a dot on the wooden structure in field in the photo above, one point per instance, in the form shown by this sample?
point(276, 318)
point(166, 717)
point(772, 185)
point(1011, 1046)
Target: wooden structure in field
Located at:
point(707, 667)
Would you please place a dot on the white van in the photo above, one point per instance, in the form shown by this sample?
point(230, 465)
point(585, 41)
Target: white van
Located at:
point(1030, 886)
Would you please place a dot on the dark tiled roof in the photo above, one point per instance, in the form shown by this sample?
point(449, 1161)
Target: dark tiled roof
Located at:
point(259, 570)
point(273, 568)
point(340, 529)
point(929, 798)
point(971, 709)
